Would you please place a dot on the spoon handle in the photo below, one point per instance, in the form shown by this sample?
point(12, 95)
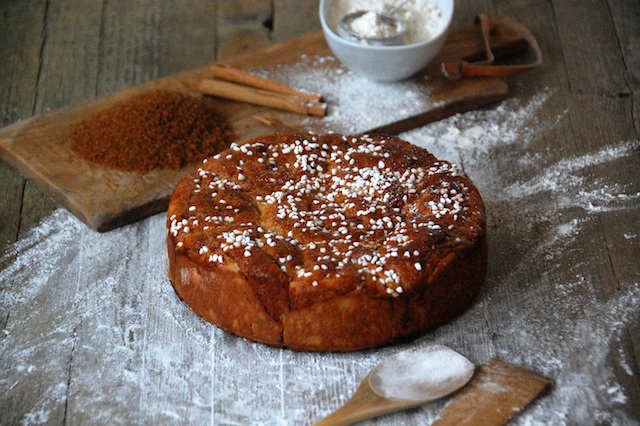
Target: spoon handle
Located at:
point(364, 404)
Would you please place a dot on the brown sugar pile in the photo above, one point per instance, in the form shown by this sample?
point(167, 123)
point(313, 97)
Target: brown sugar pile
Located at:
point(153, 130)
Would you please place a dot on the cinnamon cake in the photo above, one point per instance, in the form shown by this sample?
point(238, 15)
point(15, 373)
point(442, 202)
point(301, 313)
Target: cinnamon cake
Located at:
point(326, 242)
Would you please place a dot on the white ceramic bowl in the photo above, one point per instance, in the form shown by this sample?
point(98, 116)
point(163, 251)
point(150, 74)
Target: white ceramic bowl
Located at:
point(386, 63)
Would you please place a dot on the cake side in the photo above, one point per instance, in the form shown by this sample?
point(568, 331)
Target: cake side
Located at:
point(231, 304)
point(327, 242)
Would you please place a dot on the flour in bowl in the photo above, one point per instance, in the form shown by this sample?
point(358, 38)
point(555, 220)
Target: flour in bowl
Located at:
point(422, 19)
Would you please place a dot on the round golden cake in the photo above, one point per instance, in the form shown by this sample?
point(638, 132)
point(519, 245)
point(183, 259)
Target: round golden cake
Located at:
point(326, 242)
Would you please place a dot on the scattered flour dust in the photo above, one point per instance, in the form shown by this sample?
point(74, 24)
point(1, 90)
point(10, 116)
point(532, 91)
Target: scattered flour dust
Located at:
point(91, 323)
point(559, 201)
point(355, 103)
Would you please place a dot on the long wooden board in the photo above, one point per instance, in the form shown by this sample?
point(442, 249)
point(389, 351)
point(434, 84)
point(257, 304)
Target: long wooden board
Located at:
point(39, 147)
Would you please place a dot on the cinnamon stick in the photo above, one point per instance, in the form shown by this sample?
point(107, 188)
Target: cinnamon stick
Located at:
point(234, 75)
point(287, 102)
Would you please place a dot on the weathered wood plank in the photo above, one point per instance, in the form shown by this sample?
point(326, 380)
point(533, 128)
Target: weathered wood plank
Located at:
point(594, 124)
point(22, 30)
point(466, 12)
point(151, 41)
point(68, 51)
point(241, 27)
point(625, 18)
point(294, 18)
point(591, 49)
point(11, 187)
point(186, 34)
point(105, 198)
point(601, 125)
point(69, 66)
point(563, 262)
point(57, 66)
point(155, 40)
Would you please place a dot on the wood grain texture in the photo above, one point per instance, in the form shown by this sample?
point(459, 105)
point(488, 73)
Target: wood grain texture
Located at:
point(292, 19)
point(496, 394)
point(105, 199)
point(623, 15)
point(242, 27)
point(20, 53)
point(94, 336)
point(594, 64)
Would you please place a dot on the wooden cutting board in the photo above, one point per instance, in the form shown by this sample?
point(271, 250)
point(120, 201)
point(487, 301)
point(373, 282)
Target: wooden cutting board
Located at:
point(39, 147)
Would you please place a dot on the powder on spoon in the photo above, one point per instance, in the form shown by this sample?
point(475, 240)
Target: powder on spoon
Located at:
point(425, 374)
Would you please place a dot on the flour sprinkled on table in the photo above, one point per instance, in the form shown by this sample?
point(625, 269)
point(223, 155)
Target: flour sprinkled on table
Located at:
point(128, 340)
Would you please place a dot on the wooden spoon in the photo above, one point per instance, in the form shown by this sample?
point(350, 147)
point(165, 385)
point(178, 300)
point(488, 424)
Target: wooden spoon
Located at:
point(405, 380)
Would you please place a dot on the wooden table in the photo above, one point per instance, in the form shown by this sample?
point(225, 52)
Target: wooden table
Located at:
point(92, 332)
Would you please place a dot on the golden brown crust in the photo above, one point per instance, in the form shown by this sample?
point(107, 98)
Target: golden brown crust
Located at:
point(325, 242)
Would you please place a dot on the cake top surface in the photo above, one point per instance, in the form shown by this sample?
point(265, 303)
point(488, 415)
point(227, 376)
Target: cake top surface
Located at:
point(321, 215)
